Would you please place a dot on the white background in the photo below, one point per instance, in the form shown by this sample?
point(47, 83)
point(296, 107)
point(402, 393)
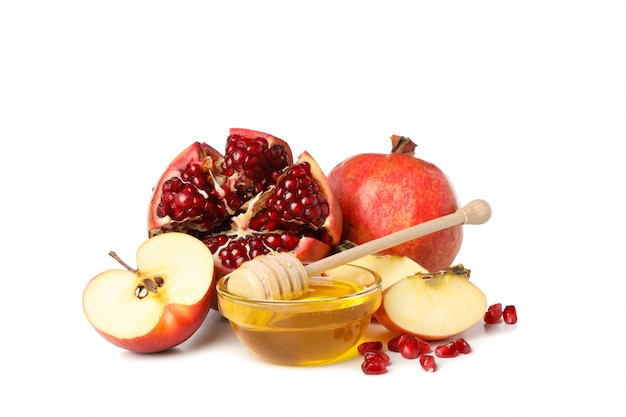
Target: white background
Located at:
point(522, 103)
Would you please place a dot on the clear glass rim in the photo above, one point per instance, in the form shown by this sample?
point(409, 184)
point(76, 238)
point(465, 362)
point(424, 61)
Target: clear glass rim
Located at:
point(370, 289)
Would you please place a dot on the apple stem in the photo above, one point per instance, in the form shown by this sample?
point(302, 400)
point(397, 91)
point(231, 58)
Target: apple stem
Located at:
point(454, 270)
point(124, 264)
point(149, 285)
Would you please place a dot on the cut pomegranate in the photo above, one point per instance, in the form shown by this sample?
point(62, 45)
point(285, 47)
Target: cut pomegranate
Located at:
point(462, 346)
point(493, 314)
point(250, 201)
point(509, 314)
point(370, 347)
point(447, 350)
point(428, 363)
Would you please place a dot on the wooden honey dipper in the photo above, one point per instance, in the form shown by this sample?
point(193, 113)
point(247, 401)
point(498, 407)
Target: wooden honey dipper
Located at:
point(280, 275)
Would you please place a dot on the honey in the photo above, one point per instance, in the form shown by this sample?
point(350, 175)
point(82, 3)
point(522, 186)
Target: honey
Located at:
point(318, 328)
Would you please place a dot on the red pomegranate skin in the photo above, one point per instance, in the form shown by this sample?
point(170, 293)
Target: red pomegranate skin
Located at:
point(383, 193)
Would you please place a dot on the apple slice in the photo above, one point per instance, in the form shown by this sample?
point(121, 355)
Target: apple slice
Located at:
point(161, 303)
point(391, 268)
point(432, 306)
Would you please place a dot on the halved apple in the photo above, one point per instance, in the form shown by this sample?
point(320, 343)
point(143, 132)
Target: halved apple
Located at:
point(432, 306)
point(160, 304)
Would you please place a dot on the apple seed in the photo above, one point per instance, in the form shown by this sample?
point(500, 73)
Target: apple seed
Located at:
point(141, 291)
point(149, 285)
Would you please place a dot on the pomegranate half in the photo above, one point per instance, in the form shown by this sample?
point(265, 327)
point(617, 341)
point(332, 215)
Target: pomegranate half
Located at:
point(249, 201)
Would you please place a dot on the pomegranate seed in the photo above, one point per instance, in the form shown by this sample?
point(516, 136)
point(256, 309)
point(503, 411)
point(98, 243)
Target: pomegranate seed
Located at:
point(273, 241)
point(447, 350)
point(509, 314)
point(290, 183)
point(462, 346)
point(369, 347)
point(424, 346)
point(373, 366)
point(410, 347)
point(296, 210)
point(309, 201)
point(394, 343)
point(289, 240)
point(428, 363)
point(255, 148)
point(493, 314)
point(378, 356)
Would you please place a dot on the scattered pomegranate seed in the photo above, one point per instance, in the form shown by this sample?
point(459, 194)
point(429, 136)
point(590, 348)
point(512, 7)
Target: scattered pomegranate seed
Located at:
point(394, 343)
point(425, 347)
point(462, 346)
point(447, 350)
point(373, 366)
point(509, 314)
point(370, 347)
point(377, 356)
point(428, 363)
point(493, 314)
point(410, 347)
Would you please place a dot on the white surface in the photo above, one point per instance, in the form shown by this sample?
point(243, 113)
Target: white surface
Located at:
point(520, 103)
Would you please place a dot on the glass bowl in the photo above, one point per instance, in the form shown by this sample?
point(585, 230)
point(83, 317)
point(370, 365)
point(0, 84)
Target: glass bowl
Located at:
point(317, 328)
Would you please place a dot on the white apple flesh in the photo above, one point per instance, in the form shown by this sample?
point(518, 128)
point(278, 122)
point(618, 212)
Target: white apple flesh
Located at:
point(391, 268)
point(432, 306)
point(161, 303)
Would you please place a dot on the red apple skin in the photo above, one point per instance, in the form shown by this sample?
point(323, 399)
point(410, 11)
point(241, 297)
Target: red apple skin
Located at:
point(178, 323)
point(382, 193)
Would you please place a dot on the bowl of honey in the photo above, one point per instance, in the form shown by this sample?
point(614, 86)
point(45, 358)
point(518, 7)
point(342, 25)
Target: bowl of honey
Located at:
point(319, 327)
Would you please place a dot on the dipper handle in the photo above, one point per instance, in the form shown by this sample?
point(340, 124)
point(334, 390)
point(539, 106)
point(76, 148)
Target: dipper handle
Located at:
point(475, 212)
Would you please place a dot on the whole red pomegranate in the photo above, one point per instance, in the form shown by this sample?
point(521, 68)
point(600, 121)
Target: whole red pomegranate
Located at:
point(249, 201)
point(382, 193)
